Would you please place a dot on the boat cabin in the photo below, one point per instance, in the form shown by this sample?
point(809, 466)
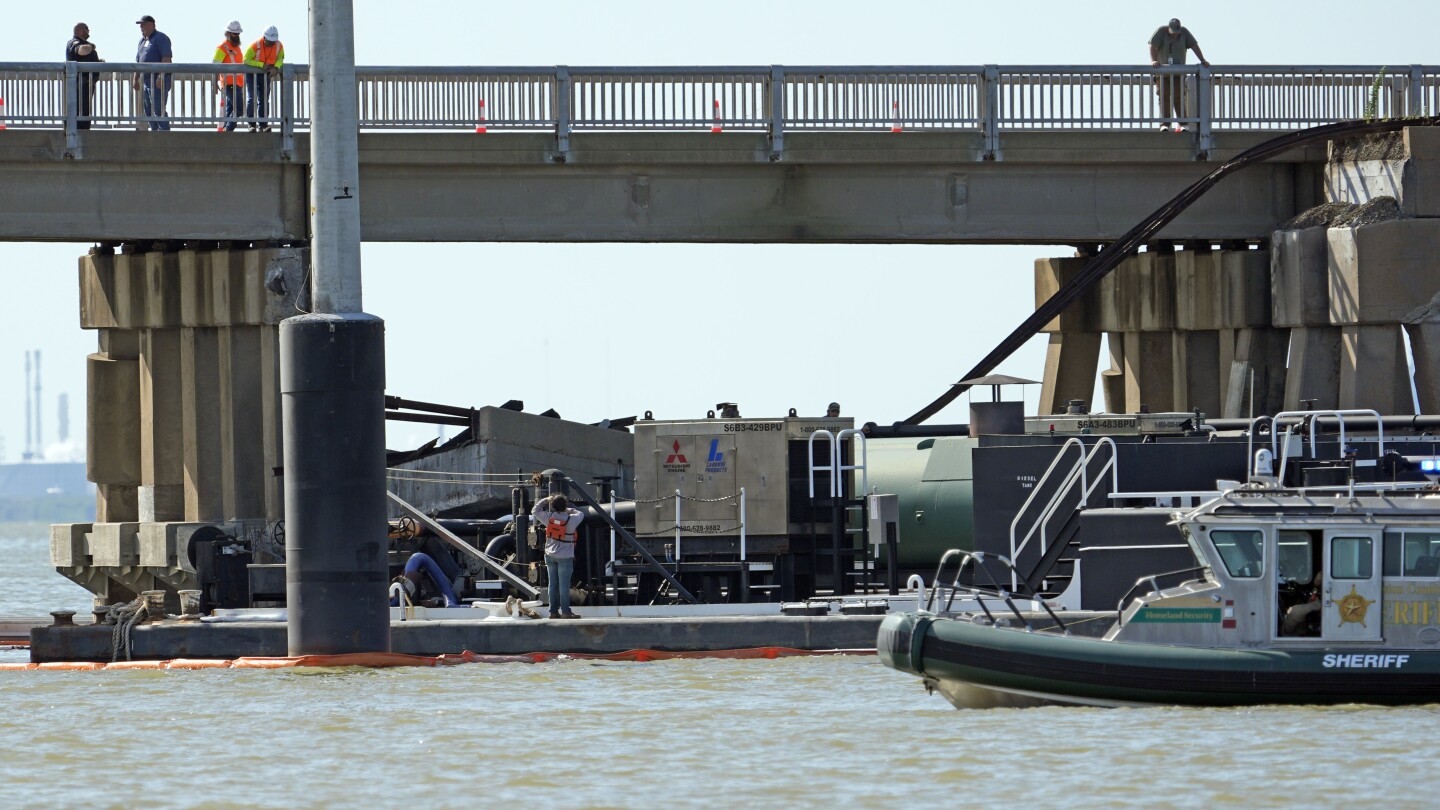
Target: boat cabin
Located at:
point(1277, 569)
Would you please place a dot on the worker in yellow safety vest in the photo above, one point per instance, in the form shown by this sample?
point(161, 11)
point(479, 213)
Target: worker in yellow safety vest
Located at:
point(232, 85)
point(267, 53)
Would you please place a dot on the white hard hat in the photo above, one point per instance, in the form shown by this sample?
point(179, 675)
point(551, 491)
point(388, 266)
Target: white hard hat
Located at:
point(272, 34)
point(234, 27)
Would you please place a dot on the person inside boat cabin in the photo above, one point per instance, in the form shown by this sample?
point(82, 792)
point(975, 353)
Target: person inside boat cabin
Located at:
point(1301, 576)
point(1297, 621)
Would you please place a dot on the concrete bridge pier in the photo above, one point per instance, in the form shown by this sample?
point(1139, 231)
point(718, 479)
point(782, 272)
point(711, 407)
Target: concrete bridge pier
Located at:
point(1355, 283)
point(1324, 314)
point(182, 407)
point(1184, 329)
point(187, 353)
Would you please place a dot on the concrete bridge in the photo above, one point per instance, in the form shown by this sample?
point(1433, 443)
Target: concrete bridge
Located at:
point(770, 154)
point(188, 336)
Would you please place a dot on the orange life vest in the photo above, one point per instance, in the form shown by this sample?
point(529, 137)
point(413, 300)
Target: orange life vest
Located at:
point(231, 55)
point(266, 52)
point(555, 528)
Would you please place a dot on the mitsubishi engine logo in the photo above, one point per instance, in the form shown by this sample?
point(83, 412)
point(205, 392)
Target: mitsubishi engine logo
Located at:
point(676, 455)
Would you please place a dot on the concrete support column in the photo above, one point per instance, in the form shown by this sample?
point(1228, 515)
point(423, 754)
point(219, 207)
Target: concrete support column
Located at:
point(1226, 357)
point(1244, 288)
point(242, 436)
point(1070, 362)
point(1112, 380)
point(1369, 359)
point(1379, 274)
point(1196, 360)
point(1257, 374)
point(270, 424)
point(1314, 372)
point(200, 423)
point(1425, 348)
point(112, 451)
point(162, 474)
point(1299, 278)
point(1074, 350)
point(1197, 277)
point(1149, 376)
point(183, 404)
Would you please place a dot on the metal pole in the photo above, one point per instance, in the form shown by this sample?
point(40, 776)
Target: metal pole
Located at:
point(742, 524)
point(332, 386)
point(614, 575)
point(677, 530)
point(334, 159)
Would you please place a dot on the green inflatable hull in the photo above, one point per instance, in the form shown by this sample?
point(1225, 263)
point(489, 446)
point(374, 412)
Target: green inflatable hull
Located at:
point(976, 665)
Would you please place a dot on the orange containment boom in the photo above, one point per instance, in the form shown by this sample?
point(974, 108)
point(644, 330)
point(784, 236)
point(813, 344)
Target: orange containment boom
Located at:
point(402, 660)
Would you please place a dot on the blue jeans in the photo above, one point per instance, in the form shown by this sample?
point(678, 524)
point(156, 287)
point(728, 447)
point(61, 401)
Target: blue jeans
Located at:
point(234, 104)
point(257, 107)
point(155, 92)
point(560, 569)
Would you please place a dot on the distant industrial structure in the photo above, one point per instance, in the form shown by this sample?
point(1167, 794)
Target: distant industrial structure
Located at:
point(34, 426)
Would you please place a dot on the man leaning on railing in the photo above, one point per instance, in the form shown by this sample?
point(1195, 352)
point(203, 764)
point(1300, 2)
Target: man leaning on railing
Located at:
point(1168, 46)
point(267, 53)
point(154, 48)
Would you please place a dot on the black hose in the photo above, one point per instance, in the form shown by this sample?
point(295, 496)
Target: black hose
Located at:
point(1107, 259)
point(500, 546)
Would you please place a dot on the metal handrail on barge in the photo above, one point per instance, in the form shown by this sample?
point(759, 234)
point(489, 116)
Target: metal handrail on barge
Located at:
point(1080, 471)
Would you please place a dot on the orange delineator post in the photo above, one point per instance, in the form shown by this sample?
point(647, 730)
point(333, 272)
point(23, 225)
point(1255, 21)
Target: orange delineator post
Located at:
point(716, 126)
point(481, 126)
point(896, 107)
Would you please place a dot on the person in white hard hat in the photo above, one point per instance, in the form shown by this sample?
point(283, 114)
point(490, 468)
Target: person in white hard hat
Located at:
point(267, 53)
point(232, 85)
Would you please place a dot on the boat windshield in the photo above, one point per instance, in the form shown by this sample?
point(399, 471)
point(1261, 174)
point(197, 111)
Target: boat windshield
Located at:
point(1241, 550)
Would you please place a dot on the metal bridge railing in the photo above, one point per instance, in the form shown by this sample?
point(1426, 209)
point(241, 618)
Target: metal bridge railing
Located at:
point(990, 100)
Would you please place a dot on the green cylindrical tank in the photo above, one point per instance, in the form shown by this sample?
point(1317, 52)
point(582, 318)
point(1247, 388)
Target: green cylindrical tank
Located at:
point(932, 477)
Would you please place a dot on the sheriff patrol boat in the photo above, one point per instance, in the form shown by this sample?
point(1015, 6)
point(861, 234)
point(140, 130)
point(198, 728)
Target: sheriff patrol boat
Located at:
point(1300, 595)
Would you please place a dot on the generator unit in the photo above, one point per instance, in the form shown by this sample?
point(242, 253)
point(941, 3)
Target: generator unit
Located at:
point(767, 491)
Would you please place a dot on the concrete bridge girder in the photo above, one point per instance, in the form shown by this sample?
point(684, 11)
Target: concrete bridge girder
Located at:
point(1058, 187)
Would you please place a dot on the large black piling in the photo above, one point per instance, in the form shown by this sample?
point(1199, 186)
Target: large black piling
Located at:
point(332, 387)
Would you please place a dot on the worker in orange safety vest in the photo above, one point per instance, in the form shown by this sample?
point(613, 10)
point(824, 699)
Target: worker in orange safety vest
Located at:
point(267, 53)
point(232, 85)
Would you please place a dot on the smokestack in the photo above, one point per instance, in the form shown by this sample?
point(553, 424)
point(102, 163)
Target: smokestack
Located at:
point(39, 436)
point(29, 445)
point(64, 417)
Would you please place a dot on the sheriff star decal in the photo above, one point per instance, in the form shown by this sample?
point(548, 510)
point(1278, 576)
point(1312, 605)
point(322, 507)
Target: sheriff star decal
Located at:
point(1353, 607)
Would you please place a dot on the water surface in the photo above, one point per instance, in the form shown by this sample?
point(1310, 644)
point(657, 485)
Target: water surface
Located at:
point(799, 732)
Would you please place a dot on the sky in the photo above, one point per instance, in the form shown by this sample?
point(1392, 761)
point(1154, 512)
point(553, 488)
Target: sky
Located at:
point(466, 324)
